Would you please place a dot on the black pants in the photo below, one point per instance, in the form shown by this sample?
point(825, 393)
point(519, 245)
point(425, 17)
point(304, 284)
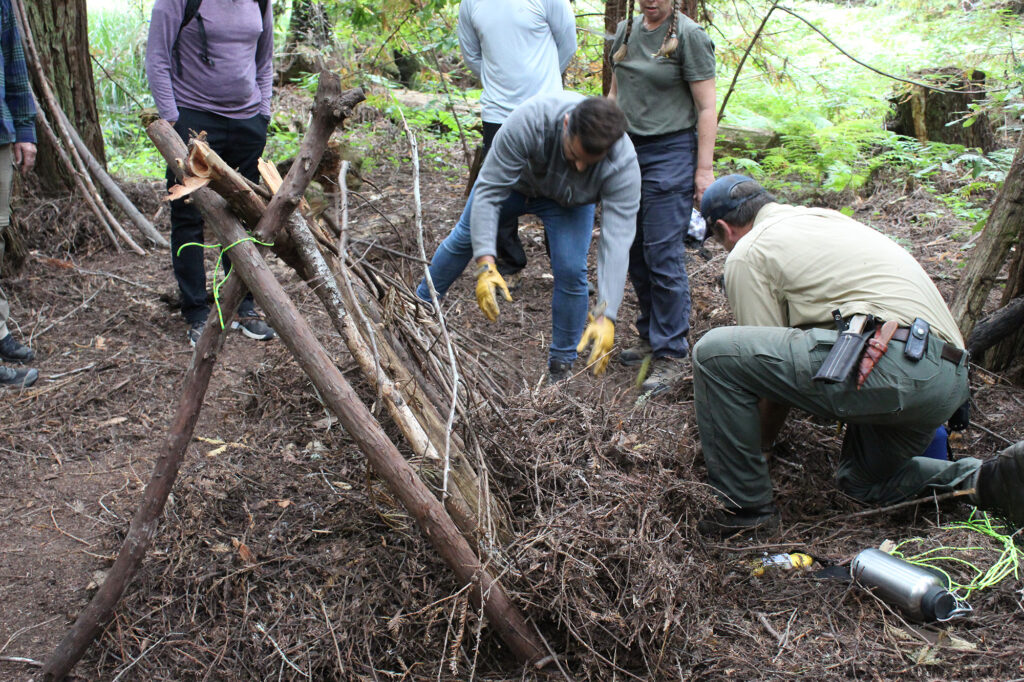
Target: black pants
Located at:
point(510, 257)
point(240, 143)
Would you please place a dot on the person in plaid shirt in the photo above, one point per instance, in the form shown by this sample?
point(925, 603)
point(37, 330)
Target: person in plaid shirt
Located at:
point(17, 148)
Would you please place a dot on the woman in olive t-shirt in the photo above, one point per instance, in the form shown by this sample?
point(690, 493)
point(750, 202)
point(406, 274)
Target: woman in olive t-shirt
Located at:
point(664, 81)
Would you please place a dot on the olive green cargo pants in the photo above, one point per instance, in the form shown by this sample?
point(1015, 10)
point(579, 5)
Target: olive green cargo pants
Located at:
point(889, 422)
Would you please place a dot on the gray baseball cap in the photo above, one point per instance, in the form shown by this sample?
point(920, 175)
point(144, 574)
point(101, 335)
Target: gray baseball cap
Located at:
point(717, 202)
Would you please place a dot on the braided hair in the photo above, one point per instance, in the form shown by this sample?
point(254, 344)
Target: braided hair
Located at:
point(668, 45)
point(671, 42)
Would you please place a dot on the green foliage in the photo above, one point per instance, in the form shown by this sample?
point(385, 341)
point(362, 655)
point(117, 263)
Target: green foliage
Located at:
point(117, 41)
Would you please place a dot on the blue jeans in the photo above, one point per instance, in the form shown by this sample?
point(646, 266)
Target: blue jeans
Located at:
point(568, 230)
point(657, 259)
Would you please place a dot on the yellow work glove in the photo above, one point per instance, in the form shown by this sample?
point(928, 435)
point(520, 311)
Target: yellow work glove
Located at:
point(487, 280)
point(602, 333)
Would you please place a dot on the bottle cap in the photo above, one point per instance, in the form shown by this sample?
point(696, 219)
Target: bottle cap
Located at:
point(939, 604)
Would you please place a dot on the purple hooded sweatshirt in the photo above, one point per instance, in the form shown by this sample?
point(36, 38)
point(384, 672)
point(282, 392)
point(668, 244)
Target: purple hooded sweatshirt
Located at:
point(240, 45)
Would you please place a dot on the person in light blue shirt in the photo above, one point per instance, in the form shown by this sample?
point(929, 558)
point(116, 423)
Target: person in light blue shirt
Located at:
point(518, 49)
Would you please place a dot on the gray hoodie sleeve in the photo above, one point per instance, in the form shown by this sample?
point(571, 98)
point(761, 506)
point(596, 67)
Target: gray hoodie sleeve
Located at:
point(620, 200)
point(507, 158)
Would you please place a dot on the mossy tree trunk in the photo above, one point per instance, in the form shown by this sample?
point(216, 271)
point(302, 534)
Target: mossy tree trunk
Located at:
point(60, 29)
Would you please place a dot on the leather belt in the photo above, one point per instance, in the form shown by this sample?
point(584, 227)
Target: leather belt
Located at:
point(949, 351)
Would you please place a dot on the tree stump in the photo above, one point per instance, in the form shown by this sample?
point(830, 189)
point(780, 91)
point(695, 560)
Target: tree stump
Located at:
point(936, 115)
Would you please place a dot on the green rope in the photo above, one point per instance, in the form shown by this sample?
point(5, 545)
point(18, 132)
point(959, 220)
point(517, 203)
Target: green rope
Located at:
point(219, 265)
point(1008, 562)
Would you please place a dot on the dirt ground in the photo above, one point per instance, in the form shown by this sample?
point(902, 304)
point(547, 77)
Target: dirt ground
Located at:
point(281, 557)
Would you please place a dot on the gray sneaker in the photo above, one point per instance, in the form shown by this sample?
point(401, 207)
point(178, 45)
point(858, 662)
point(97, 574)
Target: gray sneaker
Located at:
point(665, 372)
point(253, 326)
point(195, 330)
point(18, 378)
point(635, 355)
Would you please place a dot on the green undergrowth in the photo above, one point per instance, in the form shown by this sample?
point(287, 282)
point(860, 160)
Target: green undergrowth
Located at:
point(827, 110)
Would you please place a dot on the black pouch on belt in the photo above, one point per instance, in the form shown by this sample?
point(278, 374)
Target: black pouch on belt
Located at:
point(917, 340)
point(847, 350)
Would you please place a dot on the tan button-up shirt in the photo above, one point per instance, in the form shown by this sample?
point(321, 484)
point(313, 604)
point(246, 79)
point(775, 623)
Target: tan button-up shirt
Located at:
point(797, 265)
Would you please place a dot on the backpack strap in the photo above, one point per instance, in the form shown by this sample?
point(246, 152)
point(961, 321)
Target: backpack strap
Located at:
point(191, 11)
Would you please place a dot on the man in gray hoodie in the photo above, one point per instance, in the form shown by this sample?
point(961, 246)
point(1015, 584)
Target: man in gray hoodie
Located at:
point(554, 157)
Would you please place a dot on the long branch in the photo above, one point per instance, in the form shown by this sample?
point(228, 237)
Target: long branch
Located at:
point(93, 618)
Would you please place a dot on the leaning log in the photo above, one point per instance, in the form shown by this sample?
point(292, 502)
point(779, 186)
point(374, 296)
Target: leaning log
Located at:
point(329, 109)
point(98, 172)
point(382, 455)
point(1000, 324)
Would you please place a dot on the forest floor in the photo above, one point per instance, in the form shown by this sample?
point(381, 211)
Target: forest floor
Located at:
point(281, 557)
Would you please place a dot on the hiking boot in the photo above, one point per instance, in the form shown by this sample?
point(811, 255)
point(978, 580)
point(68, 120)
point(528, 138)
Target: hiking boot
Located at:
point(722, 523)
point(253, 326)
point(12, 351)
point(999, 485)
point(558, 371)
point(635, 355)
point(665, 372)
point(18, 378)
point(195, 330)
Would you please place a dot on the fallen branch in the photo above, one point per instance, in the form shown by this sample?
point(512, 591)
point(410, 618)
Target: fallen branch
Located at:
point(111, 188)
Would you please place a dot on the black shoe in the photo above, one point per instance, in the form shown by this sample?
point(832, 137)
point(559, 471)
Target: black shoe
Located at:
point(18, 378)
point(999, 486)
point(635, 355)
point(558, 371)
point(12, 351)
point(725, 522)
point(195, 330)
point(253, 326)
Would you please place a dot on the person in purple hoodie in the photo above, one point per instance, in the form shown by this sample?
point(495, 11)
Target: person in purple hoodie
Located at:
point(212, 71)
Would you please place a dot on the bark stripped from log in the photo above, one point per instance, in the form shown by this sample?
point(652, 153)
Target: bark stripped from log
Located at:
point(329, 109)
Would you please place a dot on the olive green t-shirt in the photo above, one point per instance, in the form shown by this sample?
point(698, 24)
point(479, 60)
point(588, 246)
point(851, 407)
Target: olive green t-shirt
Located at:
point(654, 92)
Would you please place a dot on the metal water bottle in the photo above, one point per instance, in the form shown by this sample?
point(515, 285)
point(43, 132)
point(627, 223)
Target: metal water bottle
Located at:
point(920, 593)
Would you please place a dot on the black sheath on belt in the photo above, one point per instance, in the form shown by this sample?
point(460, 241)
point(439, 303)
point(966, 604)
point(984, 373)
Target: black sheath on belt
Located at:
point(846, 351)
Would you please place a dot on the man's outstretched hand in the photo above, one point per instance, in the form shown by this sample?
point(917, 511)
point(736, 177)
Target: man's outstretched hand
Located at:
point(487, 280)
point(601, 333)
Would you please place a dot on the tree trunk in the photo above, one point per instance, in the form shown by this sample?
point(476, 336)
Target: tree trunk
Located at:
point(1004, 227)
point(61, 32)
point(308, 25)
point(614, 12)
point(926, 113)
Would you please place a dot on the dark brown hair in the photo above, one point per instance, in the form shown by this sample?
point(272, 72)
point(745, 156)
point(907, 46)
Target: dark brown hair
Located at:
point(597, 123)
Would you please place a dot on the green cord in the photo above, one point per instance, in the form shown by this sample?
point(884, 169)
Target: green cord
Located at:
point(220, 258)
point(1008, 563)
